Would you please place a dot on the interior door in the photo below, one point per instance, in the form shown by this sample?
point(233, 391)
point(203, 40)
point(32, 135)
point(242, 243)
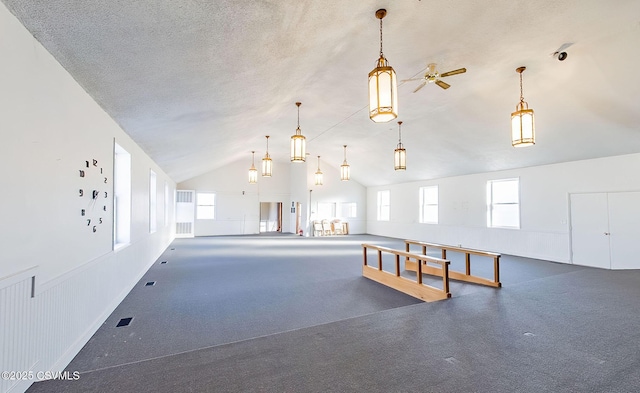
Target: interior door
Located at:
point(185, 213)
point(624, 217)
point(590, 230)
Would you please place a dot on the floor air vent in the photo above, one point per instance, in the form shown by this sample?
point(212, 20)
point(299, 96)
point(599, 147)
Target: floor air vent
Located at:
point(124, 322)
point(163, 262)
point(150, 283)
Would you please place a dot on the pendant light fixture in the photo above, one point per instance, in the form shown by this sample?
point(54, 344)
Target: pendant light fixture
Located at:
point(298, 142)
point(319, 174)
point(345, 171)
point(253, 172)
point(267, 164)
point(400, 154)
point(383, 86)
point(522, 124)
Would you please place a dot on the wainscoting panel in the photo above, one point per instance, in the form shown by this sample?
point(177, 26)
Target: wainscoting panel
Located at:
point(45, 332)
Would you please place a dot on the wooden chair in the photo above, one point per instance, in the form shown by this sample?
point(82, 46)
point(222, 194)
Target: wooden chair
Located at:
point(326, 228)
point(317, 228)
point(336, 226)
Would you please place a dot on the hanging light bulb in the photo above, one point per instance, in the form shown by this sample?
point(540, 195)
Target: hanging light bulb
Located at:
point(267, 164)
point(522, 124)
point(345, 171)
point(298, 142)
point(383, 88)
point(253, 172)
point(400, 154)
point(319, 174)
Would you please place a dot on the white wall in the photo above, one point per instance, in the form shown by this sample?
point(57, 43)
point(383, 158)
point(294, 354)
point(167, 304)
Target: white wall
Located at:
point(49, 127)
point(544, 206)
point(238, 202)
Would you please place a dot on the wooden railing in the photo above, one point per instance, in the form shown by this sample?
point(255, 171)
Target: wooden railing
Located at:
point(411, 263)
point(415, 288)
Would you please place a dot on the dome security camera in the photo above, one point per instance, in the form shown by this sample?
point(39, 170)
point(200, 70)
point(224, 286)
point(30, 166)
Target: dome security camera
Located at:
point(562, 56)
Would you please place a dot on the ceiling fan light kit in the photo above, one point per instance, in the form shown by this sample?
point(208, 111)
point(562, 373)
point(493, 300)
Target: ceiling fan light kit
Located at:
point(383, 86)
point(433, 76)
point(522, 121)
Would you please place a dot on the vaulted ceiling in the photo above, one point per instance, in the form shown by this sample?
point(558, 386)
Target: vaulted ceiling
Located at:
point(198, 84)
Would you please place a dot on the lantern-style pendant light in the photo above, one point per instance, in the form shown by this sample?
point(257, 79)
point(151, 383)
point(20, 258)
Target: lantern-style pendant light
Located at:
point(253, 172)
point(298, 142)
point(345, 171)
point(522, 123)
point(267, 164)
point(383, 86)
point(400, 154)
point(319, 174)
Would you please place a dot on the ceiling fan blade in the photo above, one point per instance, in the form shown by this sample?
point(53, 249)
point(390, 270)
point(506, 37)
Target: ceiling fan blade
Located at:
point(443, 84)
point(412, 79)
point(454, 72)
point(420, 87)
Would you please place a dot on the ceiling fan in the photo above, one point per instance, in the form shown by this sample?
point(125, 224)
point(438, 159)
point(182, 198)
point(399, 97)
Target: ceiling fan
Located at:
point(432, 76)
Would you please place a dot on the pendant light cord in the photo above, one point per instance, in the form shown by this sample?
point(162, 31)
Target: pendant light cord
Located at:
point(381, 55)
point(521, 93)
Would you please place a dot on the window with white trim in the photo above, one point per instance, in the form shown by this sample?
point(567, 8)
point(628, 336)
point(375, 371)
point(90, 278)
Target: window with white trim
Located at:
point(326, 210)
point(429, 205)
point(384, 198)
point(121, 197)
point(348, 210)
point(206, 206)
point(153, 201)
point(166, 204)
point(503, 203)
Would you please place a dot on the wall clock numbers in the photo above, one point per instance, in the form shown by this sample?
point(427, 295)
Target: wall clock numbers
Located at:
point(92, 189)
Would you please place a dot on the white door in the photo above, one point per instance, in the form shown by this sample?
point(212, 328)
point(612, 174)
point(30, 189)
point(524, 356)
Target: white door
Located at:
point(590, 230)
point(185, 213)
point(624, 218)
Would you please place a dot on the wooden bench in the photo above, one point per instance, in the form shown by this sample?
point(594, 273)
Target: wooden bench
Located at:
point(412, 265)
point(415, 288)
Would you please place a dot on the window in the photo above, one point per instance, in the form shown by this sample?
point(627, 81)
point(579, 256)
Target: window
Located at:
point(349, 210)
point(503, 203)
point(206, 207)
point(122, 197)
point(429, 205)
point(326, 210)
point(153, 202)
point(383, 205)
point(166, 204)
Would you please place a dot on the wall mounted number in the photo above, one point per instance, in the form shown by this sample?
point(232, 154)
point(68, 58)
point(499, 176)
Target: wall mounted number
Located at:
point(93, 181)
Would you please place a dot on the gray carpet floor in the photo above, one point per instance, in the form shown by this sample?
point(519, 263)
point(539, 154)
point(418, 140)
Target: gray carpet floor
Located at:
point(291, 314)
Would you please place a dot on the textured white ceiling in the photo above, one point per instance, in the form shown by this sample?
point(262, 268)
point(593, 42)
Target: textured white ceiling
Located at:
point(198, 84)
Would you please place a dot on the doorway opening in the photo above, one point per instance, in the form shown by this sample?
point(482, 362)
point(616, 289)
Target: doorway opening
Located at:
point(270, 217)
